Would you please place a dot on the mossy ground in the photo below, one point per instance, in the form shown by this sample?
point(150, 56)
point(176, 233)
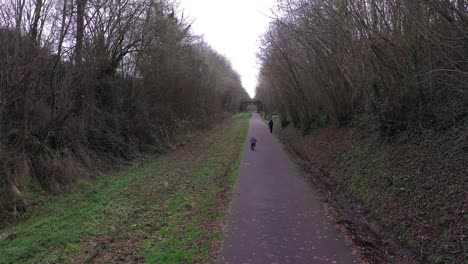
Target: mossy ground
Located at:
point(168, 210)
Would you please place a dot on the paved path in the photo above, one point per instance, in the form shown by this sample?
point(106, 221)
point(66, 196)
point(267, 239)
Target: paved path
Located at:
point(276, 217)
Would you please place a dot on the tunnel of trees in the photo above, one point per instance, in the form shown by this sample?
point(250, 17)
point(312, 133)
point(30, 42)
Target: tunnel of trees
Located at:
point(90, 82)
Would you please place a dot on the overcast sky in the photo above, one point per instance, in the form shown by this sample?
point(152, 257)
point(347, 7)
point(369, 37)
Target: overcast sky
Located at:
point(233, 28)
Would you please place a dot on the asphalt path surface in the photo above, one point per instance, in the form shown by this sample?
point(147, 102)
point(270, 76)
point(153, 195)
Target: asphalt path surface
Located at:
point(276, 217)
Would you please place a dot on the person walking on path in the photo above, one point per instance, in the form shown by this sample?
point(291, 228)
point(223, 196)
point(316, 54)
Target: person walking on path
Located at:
point(270, 124)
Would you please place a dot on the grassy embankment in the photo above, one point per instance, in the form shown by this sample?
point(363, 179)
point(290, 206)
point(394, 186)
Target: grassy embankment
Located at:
point(416, 190)
point(168, 210)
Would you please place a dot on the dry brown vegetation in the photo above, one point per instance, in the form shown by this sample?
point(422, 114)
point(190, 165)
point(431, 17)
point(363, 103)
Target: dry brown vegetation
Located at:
point(414, 193)
point(402, 63)
point(88, 82)
point(379, 88)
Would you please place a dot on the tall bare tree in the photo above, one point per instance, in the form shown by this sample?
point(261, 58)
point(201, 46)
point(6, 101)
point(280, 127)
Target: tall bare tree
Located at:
point(80, 29)
point(89, 81)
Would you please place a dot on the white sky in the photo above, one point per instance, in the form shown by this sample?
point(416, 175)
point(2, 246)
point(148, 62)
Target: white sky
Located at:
point(233, 28)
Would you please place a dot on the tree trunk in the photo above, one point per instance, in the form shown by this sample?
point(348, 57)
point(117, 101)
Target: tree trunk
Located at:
point(37, 16)
point(80, 11)
point(19, 14)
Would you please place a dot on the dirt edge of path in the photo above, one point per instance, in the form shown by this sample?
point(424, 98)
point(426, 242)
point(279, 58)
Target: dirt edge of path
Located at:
point(370, 242)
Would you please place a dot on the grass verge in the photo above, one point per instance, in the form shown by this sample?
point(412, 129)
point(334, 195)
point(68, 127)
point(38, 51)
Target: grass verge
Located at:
point(169, 210)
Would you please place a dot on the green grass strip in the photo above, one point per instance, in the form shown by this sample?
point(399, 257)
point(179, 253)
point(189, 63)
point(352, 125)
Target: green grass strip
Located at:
point(171, 206)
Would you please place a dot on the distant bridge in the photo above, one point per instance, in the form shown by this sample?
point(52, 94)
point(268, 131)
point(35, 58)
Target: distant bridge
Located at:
point(251, 106)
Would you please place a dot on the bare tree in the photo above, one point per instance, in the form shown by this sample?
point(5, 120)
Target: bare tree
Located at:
point(90, 81)
point(80, 18)
point(385, 58)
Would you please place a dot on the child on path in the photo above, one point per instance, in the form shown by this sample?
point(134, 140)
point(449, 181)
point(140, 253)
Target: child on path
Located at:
point(253, 142)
